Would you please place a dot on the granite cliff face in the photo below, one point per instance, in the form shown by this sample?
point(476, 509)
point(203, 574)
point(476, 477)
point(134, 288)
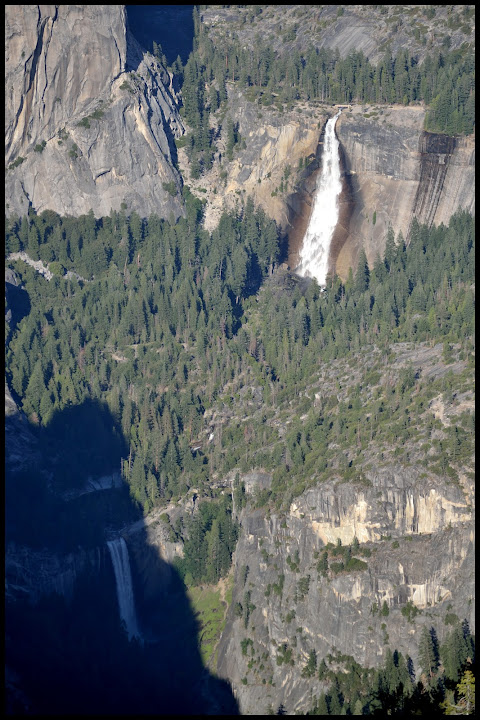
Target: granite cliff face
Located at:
point(398, 171)
point(292, 604)
point(30, 574)
point(94, 120)
point(70, 64)
point(272, 143)
point(392, 171)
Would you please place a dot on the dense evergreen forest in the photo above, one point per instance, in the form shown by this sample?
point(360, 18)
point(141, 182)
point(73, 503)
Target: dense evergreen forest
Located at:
point(444, 81)
point(171, 322)
point(446, 686)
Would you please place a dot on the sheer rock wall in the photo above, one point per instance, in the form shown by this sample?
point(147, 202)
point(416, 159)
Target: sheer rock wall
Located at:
point(31, 574)
point(63, 63)
point(397, 172)
point(433, 567)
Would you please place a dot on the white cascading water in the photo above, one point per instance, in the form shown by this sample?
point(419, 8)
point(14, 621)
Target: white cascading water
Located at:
point(324, 218)
point(121, 566)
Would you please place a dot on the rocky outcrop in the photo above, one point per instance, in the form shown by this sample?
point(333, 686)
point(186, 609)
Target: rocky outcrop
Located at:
point(418, 536)
point(104, 482)
point(36, 264)
point(273, 143)
point(394, 505)
point(92, 118)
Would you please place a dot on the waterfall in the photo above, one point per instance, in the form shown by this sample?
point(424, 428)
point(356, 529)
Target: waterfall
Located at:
point(121, 566)
point(324, 218)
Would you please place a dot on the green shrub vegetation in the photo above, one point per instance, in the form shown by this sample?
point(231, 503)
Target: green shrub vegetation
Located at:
point(285, 655)
point(210, 612)
point(96, 115)
point(410, 611)
point(170, 187)
point(18, 161)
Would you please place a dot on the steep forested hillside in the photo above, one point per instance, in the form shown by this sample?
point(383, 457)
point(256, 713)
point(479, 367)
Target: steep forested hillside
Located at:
point(172, 325)
point(207, 362)
point(295, 452)
point(292, 60)
point(392, 688)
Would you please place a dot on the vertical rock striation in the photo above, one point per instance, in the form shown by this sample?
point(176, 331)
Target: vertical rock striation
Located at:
point(92, 117)
point(398, 171)
point(31, 574)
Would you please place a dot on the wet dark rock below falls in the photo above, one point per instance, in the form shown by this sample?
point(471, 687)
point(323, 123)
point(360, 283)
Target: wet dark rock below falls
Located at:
point(436, 151)
point(300, 206)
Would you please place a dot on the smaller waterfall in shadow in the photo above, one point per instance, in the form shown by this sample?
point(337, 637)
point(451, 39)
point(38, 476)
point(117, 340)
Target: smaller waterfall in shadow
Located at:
point(316, 243)
point(126, 603)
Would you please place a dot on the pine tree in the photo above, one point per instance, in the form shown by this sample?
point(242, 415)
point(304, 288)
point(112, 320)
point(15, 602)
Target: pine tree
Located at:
point(35, 388)
point(428, 654)
point(322, 706)
point(466, 692)
point(390, 249)
point(231, 138)
point(358, 707)
point(217, 554)
point(362, 276)
point(46, 408)
point(322, 565)
point(310, 667)
point(465, 697)
point(33, 242)
point(454, 652)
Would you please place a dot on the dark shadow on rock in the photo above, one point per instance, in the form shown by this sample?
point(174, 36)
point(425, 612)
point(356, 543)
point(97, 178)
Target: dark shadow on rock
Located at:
point(67, 652)
point(81, 444)
point(346, 209)
point(300, 203)
point(435, 151)
point(143, 26)
point(170, 26)
point(17, 305)
point(83, 441)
